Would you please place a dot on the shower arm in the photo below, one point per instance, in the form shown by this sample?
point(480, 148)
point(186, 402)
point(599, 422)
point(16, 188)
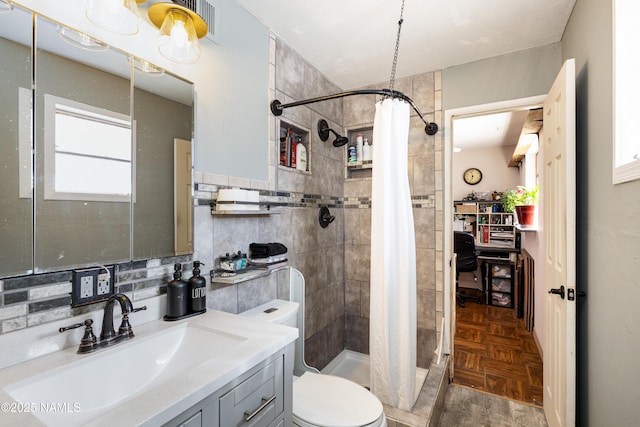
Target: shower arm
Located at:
point(430, 128)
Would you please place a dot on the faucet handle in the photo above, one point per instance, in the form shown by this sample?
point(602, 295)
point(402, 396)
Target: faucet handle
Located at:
point(135, 310)
point(86, 323)
point(88, 340)
point(125, 326)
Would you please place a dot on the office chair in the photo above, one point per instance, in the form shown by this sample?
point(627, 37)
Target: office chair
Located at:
point(466, 261)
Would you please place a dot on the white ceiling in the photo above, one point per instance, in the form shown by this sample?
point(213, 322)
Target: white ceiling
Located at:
point(490, 130)
point(352, 41)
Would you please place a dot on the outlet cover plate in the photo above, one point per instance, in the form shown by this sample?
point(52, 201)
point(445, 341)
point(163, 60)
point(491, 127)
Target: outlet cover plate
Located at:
point(91, 285)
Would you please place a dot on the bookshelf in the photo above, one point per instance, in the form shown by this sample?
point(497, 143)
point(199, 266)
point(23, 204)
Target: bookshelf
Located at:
point(490, 227)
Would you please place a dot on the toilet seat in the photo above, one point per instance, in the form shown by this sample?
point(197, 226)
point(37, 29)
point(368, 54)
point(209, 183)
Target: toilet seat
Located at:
point(330, 401)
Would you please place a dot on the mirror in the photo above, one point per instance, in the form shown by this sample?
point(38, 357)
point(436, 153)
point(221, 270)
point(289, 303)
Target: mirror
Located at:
point(86, 120)
point(163, 114)
point(16, 235)
point(80, 95)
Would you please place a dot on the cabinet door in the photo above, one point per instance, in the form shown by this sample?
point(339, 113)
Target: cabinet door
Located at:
point(194, 421)
point(257, 401)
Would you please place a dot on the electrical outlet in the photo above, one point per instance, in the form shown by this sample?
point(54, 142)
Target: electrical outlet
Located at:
point(104, 282)
point(91, 285)
point(86, 287)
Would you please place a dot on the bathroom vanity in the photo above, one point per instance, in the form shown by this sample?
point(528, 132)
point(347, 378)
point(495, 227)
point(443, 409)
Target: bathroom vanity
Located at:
point(217, 369)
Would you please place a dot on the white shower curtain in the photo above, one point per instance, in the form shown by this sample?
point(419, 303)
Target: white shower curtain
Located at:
point(392, 340)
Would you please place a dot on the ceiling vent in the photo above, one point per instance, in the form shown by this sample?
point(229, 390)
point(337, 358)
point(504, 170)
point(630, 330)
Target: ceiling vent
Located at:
point(206, 10)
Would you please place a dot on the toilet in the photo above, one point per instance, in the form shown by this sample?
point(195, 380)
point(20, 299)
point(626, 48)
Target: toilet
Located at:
point(319, 400)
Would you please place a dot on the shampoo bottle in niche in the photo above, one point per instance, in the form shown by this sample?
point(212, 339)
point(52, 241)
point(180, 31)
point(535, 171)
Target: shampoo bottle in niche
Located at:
point(366, 151)
point(197, 290)
point(177, 295)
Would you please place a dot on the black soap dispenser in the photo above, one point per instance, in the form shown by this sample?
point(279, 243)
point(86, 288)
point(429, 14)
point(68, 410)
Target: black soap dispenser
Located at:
point(197, 290)
point(177, 295)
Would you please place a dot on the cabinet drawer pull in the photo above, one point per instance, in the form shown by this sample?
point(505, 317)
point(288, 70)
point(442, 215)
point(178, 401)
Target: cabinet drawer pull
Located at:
point(248, 416)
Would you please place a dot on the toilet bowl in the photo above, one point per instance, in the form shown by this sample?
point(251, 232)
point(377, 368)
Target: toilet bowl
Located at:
point(319, 400)
point(330, 401)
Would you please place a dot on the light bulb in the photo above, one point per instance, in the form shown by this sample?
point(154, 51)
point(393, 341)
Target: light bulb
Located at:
point(178, 41)
point(179, 34)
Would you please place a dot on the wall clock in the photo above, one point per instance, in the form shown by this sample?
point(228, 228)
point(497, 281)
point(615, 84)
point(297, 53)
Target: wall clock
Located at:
point(472, 176)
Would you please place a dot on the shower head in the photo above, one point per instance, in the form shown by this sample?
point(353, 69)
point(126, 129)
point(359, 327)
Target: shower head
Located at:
point(340, 140)
point(323, 133)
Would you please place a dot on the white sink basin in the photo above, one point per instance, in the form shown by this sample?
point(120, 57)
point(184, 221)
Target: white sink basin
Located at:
point(83, 389)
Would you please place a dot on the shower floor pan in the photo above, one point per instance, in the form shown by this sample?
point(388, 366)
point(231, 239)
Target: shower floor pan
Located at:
point(354, 366)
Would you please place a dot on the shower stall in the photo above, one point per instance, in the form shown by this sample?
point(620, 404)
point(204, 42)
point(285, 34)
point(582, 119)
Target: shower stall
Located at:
point(339, 314)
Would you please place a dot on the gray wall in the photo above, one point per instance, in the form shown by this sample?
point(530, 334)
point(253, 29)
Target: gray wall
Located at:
point(517, 75)
point(608, 234)
point(235, 143)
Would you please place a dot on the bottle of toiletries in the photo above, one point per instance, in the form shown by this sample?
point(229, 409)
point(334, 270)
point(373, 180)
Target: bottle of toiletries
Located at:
point(294, 145)
point(177, 295)
point(359, 146)
point(352, 153)
point(197, 290)
point(366, 151)
point(301, 152)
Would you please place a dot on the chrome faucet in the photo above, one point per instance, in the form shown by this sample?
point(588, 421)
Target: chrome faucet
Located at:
point(108, 336)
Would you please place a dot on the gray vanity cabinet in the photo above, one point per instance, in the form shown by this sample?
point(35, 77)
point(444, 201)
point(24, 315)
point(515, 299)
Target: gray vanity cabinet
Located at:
point(261, 397)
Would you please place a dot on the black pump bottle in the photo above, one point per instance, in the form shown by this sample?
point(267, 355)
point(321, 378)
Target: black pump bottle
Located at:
point(177, 295)
point(197, 290)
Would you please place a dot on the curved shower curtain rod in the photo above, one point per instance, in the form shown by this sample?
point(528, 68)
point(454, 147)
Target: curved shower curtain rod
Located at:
point(430, 128)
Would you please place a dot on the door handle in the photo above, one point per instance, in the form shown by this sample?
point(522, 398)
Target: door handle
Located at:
point(558, 291)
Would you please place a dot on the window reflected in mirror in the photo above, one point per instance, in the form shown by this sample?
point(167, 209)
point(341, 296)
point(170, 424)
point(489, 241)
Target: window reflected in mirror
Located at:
point(88, 152)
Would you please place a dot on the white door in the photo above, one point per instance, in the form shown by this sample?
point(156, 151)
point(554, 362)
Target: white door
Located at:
point(182, 194)
point(559, 218)
point(452, 319)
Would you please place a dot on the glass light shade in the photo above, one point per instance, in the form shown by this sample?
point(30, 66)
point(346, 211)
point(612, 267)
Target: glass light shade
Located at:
point(178, 41)
point(117, 16)
point(5, 6)
point(146, 67)
point(81, 40)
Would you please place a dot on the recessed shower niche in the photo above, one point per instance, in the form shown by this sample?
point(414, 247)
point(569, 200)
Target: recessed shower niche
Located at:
point(293, 147)
point(361, 168)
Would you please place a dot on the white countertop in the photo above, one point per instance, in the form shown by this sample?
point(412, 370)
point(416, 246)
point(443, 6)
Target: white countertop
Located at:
point(160, 404)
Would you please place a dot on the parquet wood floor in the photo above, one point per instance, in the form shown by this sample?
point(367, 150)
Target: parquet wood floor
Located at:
point(495, 354)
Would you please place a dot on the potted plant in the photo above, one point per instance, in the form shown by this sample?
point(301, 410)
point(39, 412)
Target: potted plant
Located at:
point(523, 201)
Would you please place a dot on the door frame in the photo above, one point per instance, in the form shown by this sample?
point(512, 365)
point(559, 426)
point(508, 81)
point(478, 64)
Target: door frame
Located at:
point(449, 117)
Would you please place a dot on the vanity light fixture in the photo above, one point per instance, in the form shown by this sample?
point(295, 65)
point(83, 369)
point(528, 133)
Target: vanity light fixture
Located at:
point(117, 16)
point(5, 6)
point(180, 29)
point(145, 66)
point(81, 40)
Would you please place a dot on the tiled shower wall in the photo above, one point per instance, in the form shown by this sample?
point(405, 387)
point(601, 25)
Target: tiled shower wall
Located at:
point(317, 252)
point(425, 181)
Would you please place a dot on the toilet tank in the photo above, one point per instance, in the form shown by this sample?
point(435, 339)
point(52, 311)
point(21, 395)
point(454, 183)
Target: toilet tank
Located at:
point(275, 311)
